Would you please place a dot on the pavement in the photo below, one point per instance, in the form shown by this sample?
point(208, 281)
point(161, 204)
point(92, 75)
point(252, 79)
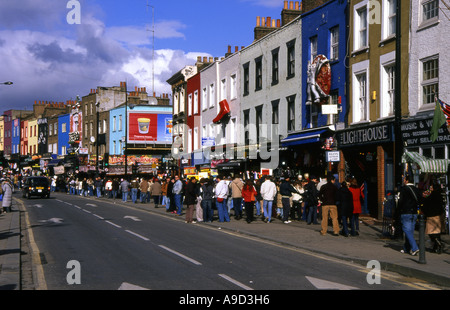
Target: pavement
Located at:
point(371, 244)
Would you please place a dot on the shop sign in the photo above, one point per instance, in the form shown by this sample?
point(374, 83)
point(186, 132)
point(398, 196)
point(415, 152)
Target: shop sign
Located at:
point(333, 156)
point(417, 133)
point(366, 135)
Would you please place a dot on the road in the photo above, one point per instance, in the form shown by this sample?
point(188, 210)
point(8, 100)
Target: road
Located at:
point(94, 244)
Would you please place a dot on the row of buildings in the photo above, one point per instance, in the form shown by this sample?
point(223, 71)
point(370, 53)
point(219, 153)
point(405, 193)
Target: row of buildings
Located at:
point(333, 86)
point(111, 130)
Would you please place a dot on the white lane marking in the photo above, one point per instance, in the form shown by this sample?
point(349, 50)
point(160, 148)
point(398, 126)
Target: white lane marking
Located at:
point(181, 255)
point(328, 285)
point(102, 218)
point(87, 211)
point(137, 235)
point(131, 287)
point(134, 218)
point(111, 223)
point(241, 285)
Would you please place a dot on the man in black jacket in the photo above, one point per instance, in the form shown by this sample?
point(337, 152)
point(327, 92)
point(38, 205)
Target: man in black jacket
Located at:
point(190, 199)
point(286, 190)
point(408, 204)
point(327, 195)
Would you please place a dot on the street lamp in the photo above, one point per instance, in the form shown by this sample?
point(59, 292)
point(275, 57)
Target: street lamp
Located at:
point(7, 83)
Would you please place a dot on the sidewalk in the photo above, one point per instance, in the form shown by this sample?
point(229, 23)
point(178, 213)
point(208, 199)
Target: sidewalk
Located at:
point(369, 245)
point(10, 250)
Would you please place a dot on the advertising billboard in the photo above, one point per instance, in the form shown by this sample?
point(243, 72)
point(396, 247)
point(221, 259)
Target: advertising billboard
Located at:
point(149, 127)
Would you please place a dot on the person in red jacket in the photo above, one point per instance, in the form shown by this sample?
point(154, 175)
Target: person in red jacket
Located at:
point(249, 195)
point(358, 195)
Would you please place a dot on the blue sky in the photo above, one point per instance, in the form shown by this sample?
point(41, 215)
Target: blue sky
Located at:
point(49, 59)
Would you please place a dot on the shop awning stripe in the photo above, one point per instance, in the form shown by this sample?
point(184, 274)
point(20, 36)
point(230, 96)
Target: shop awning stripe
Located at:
point(427, 165)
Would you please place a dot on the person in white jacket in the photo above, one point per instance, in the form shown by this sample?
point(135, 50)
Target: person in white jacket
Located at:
point(268, 193)
point(221, 192)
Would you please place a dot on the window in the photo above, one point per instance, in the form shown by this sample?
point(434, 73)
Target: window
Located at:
point(275, 118)
point(313, 48)
point(334, 94)
point(291, 59)
point(190, 104)
point(361, 28)
point(259, 121)
point(196, 102)
point(64, 127)
point(275, 66)
point(120, 122)
point(258, 73)
point(212, 96)
point(223, 89)
point(389, 96)
point(233, 87)
point(430, 10)
point(55, 129)
point(50, 130)
point(196, 138)
point(362, 108)
point(334, 43)
point(430, 80)
point(291, 113)
point(204, 99)
point(246, 127)
point(390, 18)
point(114, 123)
point(246, 79)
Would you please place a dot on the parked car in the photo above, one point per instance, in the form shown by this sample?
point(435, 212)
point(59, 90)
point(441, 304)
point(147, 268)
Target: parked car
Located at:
point(36, 186)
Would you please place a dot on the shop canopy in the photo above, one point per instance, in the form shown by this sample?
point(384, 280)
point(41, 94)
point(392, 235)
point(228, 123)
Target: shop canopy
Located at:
point(426, 165)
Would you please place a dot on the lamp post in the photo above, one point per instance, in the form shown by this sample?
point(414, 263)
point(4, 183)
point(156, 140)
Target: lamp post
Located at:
point(7, 83)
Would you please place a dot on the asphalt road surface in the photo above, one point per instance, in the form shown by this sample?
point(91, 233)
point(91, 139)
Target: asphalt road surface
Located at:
point(94, 244)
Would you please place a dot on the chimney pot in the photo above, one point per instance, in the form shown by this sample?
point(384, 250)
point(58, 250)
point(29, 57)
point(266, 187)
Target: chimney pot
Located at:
point(199, 58)
point(285, 5)
point(263, 22)
point(210, 59)
point(205, 59)
point(236, 48)
point(278, 23)
point(268, 22)
point(229, 48)
point(291, 5)
point(258, 21)
point(296, 5)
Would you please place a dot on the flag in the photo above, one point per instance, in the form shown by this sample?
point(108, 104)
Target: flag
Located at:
point(439, 120)
point(446, 109)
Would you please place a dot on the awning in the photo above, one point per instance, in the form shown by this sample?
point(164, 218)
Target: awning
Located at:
point(302, 138)
point(231, 164)
point(426, 165)
point(55, 162)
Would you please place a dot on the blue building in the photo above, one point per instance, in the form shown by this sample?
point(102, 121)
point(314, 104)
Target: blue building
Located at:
point(15, 138)
point(63, 134)
point(324, 58)
point(147, 132)
point(324, 32)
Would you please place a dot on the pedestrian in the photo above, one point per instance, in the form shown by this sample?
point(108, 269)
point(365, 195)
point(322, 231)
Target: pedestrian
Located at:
point(164, 185)
point(124, 188)
point(249, 196)
point(408, 204)
point(221, 192)
point(434, 210)
point(108, 188)
point(191, 193)
point(198, 206)
point(297, 201)
point(236, 194)
point(268, 193)
point(207, 200)
point(177, 195)
point(134, 189)
point(327, 195)
point(115, 188)
point(286, 191)
point(143, 187)
point(156, 192)
point(98, 184)
point(358, 196)
point(259, 199)
point(311, 200)
point(7, 191)
point(171, 204)
point(345, 207)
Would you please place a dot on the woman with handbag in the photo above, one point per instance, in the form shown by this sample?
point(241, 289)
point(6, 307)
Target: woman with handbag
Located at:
point(434, 210)
point(249, 195)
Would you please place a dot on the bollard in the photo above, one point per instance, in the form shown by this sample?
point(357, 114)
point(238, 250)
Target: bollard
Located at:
point(422, 239)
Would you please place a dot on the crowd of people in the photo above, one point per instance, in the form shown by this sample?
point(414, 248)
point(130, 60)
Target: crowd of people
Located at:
point(308, 199)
